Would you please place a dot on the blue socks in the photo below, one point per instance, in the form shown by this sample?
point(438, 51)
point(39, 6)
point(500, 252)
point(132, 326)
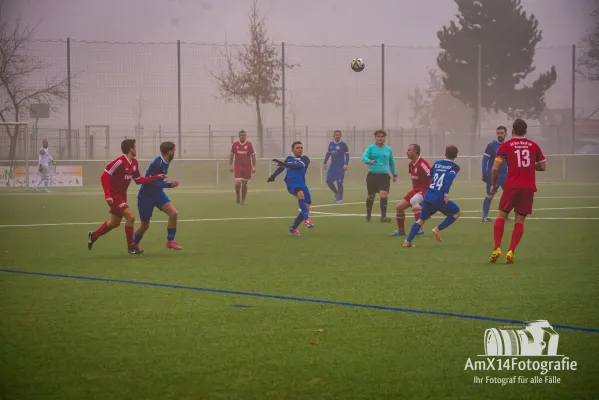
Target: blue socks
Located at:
point(137, 238)
point(171, 232)
point(340, 190)
point(413, 231)
point(486, 206)
point(446, 222)
point(298, 220)
point(303, 207)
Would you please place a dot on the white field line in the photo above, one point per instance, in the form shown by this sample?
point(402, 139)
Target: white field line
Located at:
point(319, 213)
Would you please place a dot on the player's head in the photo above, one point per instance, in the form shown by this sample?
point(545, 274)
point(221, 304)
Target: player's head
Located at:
point(501, 133)
point(519, 128)
point(297, 148)
point(45, 143)
point(128, 147)
point(337, 136)
point(380, 136)
point(167, 149)
point(242, 136)
point(413, 151)
point(451, 152)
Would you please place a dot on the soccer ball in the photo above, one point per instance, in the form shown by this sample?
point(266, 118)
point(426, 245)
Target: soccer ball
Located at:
point(357, 64)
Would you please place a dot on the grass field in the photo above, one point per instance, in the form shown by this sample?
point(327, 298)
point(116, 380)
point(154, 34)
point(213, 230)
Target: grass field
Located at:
point(248, 311)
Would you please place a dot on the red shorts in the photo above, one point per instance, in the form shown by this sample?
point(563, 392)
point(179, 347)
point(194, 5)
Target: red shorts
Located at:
point(244, 173)
point(519, 200)
point(119, 204)
point(412, 193)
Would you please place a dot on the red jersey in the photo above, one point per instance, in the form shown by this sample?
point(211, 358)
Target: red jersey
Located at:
point(522, 155)
point(242, 153)
point(122, 171)
point(420, 171)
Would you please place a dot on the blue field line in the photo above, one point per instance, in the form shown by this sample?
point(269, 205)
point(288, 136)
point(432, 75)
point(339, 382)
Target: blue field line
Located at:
point(291, 298)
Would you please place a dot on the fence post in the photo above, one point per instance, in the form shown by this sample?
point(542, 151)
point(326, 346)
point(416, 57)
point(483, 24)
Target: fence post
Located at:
point(179, 92)
point(564, 167)
point(69, 96)
point(283, 96)
point(383, 86)
point(480, 97)
point(306, 139)
point(573, 116)
point(210, 150)
point(217, 169)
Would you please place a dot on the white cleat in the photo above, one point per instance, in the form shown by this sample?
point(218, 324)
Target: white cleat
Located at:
point(408, 244)
point(437, 234)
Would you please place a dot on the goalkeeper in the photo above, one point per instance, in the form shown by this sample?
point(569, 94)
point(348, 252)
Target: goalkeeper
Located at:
point(44, 166)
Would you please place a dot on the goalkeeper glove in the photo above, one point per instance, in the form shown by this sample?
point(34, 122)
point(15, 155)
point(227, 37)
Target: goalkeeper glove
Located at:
point(270, 179)
point(279, 162)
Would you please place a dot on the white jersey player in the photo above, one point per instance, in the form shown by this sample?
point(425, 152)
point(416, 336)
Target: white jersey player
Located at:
point(44, 166)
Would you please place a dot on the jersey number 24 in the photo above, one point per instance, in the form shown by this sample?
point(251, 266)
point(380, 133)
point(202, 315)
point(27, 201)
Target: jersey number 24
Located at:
point(437, 182)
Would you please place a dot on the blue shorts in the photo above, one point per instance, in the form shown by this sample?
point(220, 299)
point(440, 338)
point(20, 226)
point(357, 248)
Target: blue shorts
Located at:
point(500, 183)
point(335, 175)
point(293, 188)
point(146, 204)
point(430, 209)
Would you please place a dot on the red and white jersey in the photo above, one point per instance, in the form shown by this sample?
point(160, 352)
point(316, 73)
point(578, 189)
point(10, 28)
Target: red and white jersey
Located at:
point(522, 156)
point(420, 173)
point(122, 171)
point(242, 153)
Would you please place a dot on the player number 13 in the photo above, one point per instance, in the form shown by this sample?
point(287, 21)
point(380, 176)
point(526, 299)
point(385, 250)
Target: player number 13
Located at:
point(523, 158)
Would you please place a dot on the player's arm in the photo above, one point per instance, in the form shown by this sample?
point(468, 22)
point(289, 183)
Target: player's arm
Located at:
point(106, 177)
point(392, 164)
point(366, 156)
point(346, 155)
point(485, 162)
point(140, 180)
point(495, 171)
point(326, 157)
point(275, 174)
point(540, 161)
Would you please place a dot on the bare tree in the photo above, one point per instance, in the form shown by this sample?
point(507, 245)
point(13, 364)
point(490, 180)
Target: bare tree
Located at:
point(16, 66)
point(253, 75)
point(588, 62)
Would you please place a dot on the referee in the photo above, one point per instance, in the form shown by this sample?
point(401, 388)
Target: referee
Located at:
point(379, 158)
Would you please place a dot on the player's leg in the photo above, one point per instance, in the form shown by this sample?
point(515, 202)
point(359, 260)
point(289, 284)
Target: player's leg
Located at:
point(487, 203)
point(400, 216)
point(40, 179)
point(145, 207)
point(522, 208)
point(246, 176)
point(428, 210)
point(340, 180)
point(452, 212)
point(238, 190)
point(171, 227)
point(330, 179)
point(129, 216)
point(116, 209)
point(46, 174)
point(371, 189)
point(384, 186)
point(506, 204)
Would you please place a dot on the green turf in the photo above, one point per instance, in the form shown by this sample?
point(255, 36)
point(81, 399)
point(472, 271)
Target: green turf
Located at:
point(78, 339)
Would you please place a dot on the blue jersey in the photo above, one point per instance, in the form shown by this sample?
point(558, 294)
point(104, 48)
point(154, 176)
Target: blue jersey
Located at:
point(339, 154)
point(489, 159)
point(443, 173)
point(157, 167)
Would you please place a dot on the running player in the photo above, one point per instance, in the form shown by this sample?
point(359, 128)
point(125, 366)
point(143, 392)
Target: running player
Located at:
point(115, 181)
point(242, 152)
point(420, 171)
point(523, 158)
point(488, 159)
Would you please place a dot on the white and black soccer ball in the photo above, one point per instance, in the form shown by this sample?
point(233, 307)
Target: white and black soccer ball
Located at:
point(357, 64)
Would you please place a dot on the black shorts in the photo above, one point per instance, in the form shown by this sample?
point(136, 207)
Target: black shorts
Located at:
point(376, 183)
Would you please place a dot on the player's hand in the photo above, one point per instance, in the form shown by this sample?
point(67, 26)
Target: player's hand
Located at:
point(446, 197)
point(324, 166)
point(371, 162)
point(345, 167)
point(485, 178)
point(174, 184)
point(493, 188)
point(270, 179)
point(109, 201)
point(253, 169)
point(230, 168)
point(394, 179)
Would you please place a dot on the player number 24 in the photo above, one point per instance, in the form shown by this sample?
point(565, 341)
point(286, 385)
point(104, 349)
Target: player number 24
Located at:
point(523, 158)
point(437, 181)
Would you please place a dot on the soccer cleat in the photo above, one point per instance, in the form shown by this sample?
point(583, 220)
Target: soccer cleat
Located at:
point(398, 233)
point(294, 231)
point(420, 232)
point(487, 219)
point(495, 255)
point(338, 201)
point(368, 218)
point(90, 240)
point(134, 249)
point(309, 223)
point(408, 244)
point(437, 234)
point(509, 257)
point(385, 219)
point(171, 244)
point(36, 189)
point(237, 201)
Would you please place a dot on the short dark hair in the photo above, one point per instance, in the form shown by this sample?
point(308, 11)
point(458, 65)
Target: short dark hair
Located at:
point(501, 128)
point(416, 147)
point(294, 144)
point(241, 131)
point(127, 145)
point(165, 147)
point(336, 130)
point(380, 131)
point(451, 151)
point(519, 127)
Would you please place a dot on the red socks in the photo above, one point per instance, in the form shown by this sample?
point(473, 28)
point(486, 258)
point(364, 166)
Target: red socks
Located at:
point(517, 235)
point(129, 235)
point(498, 231)
point(100, 231)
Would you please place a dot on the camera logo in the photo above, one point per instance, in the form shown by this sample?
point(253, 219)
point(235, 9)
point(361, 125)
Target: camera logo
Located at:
point(538, 338)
